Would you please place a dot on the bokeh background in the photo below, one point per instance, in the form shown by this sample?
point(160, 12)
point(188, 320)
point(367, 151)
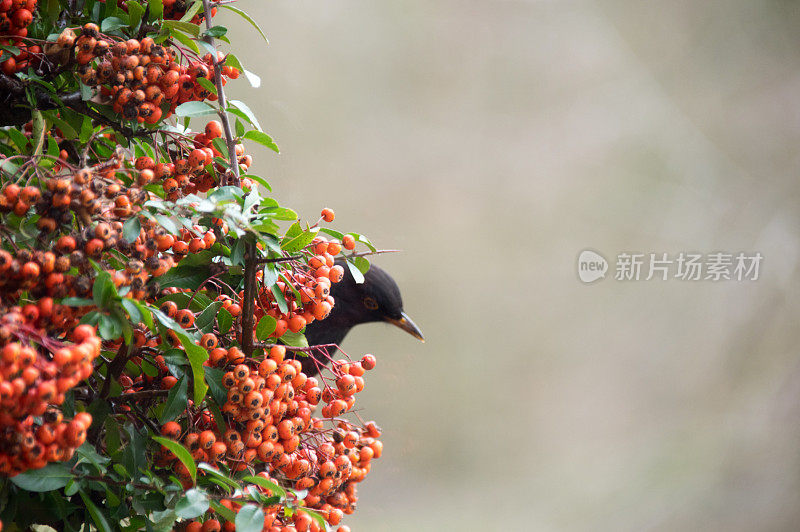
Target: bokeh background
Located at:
point(492, 141)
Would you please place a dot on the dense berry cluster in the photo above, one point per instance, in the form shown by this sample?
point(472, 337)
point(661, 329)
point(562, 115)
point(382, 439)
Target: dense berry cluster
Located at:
point(142, 80)
point(35, 373)
point(271, 431)
point(15, 17)
point(189, 171)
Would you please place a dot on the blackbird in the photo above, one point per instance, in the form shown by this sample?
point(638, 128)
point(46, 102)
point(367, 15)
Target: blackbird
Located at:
point(376, 299)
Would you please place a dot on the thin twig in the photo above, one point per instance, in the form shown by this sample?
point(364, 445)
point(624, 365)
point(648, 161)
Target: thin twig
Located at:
point(279, 259)
point(223, 104)
point(135, 396)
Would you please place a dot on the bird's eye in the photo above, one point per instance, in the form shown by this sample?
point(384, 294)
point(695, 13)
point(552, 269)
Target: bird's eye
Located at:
point(370, 303)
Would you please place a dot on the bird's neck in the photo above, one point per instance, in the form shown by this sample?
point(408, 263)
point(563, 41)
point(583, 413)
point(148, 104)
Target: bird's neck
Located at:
point(332, 333)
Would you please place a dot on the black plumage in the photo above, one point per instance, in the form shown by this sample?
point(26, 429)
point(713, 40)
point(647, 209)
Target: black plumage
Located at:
point(377, 299)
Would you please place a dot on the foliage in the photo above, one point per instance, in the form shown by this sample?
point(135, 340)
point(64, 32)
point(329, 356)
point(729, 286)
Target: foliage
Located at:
point(153, 293)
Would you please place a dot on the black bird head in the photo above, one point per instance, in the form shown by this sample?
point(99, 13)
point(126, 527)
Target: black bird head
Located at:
point(376, 299)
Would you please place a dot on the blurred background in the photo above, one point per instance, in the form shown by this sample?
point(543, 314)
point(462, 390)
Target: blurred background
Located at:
point(492, 141)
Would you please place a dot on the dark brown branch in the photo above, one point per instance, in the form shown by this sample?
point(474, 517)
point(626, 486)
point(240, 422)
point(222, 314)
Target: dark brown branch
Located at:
point(115, 368)
point(279, 259)
point(136, 396)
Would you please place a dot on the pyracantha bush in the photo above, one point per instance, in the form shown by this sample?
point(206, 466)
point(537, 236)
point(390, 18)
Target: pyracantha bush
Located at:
point(153, 294)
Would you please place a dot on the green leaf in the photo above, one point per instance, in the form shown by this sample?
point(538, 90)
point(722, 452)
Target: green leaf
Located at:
point(192, 11)
point(279, 298)
point(135, 12)
point(176, 401)
point(191, 109)
point(294, 339)
point(109, 327)
point(264, 483)
point(167, 223)
point(50, 477)
point(68, 131)
point(186, 41)
point(181, 276)
point(214, 380)
point(103, 289)
point(241, 110)
point(207, 85)
point(266, 326)
point(292, 243)
point(97, 516)
point(18, 138)
point(226, 513)
point(112, 23)
point(262, 138)
point(181, 452)
point(263, 182)
point(77, 302)
point(358, 266)
point(133, 311)
point(186, 27)
point(216, 31)
point(249, 19)
point(250, 519)
point(131, 229)
point(206, 318)
point(197, 355)
point(214, 472)
point(193, 504)
point(224, 321)
point(156, 9)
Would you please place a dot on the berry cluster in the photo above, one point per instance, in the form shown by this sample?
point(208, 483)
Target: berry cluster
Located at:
point(189, 172)
point(311, 282)
point(142, 80)
point(15, 17)
point(33, 382)
point(271, 431)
